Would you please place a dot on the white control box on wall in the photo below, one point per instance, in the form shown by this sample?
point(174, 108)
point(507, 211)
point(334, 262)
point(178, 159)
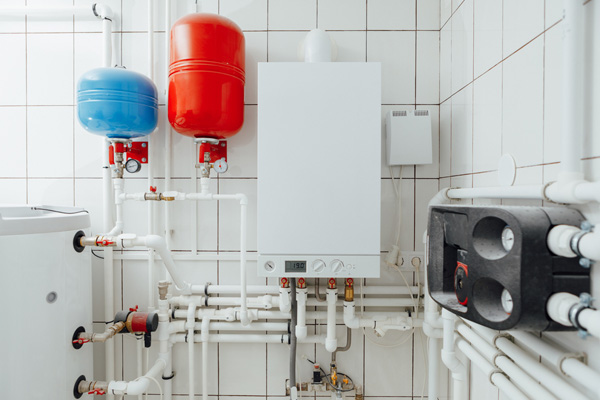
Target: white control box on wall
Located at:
point(319, 169)
point(409, 140)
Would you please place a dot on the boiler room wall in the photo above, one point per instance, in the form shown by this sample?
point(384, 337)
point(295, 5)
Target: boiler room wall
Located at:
point(500, 93)
point(47, 158)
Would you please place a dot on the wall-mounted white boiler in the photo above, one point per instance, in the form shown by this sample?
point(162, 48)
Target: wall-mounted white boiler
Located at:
point(319, 169)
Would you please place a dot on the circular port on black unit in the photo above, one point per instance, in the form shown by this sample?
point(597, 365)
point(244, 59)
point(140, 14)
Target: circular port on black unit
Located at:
point(490, 300)
point(77, 241)
point(491, 239)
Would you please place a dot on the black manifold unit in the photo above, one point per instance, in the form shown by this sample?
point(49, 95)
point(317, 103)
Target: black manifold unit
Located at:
point(491, 265)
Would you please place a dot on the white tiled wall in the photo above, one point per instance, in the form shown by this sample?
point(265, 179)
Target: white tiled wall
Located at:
point(500, 90)
point(46, 157)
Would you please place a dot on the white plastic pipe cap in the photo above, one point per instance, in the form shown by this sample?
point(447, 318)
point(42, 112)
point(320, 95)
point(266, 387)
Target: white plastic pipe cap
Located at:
point(317, 47)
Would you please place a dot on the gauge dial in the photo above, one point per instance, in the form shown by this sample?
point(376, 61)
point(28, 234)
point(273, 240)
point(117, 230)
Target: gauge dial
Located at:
point(508, 238)
point(507, 301)
point(132, 166)
point(220, 166)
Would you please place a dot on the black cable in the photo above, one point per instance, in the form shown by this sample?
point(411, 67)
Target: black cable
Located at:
point(59, 212)
point(96, 255)
point(293, 342)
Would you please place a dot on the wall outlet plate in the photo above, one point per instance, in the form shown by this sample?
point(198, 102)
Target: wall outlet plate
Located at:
point(491, 265)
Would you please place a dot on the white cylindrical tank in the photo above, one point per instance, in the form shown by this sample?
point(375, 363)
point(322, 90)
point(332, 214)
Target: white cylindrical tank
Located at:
point(46, 294)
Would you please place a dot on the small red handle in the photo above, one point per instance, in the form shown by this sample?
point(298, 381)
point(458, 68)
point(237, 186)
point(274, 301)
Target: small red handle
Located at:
point(133, 309)
point(97, 391)
point(80, 341)
point(153, 189)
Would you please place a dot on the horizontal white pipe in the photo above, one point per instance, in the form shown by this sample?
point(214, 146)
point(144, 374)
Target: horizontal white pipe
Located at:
point(180, 326)
point(139, 385)
point(559, 306)
point(274, 289)
point(571, 366)
point(535, 192)
point(50, 12)
point(131, 254)
point(248, 338)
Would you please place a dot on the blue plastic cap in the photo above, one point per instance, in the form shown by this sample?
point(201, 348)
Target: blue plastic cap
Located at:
point(117, 103)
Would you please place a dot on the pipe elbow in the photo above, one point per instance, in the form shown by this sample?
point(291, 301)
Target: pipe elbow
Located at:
point(456, 367)
point(330, 345)
point(243, 199)
point(103, 11)
point(301, 332)
point(350, 318)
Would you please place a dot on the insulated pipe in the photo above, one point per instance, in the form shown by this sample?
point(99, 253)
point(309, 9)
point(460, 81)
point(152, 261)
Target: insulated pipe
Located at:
point(331, 341)
point(565, 362)
point(191, 323)
point(572, 92)
point(456, 367)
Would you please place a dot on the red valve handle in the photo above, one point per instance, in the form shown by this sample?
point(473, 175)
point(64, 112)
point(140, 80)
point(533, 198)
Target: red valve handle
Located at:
point(133, 309)
point(153, 189)
point(301, 283)
point(97, 391)
point(106, 242)
point(80, 341)
point(350, 281)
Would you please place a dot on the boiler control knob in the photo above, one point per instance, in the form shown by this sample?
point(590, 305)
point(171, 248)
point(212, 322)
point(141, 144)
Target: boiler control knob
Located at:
point(318, 266)
point(220, 166)
point(336, 266)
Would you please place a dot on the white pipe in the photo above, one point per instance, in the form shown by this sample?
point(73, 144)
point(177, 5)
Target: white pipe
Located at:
point(139, 385)
point(273, 289)
point(317, 47)
point(243, 222)
point(139, 353)
point(205, 335)
point(433, 358)
point(180, 326)
point(535, 192)
point(572, 91)
point(191, 323)
point(106, 42)
point(559, 241)
point(285, 304)
point(449, 358)
point(167, 128)
point(248, 338)
point(331, 341)
point(54, 12)
point(559, 306)
point(301, 330)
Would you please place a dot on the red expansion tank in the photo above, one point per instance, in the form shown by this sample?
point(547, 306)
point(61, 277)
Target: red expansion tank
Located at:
point(206, 76)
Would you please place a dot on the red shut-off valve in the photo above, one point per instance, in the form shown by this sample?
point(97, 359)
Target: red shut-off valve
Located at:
point(331, 283)
point(99, 392)
point(301, 283)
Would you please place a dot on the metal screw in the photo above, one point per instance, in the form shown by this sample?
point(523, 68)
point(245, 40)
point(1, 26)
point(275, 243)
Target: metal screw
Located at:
point(144, 159)
point(144, 144)
point(585, 262)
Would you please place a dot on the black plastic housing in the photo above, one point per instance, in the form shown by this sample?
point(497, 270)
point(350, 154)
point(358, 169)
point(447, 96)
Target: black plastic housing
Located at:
point(469, 267)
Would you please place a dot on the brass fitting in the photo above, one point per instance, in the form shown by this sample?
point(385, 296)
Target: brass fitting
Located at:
point(301, 283)
point(163, 289)
point(331, 283)
point(92, 387)
point(98, 241)
point(349, 290)
point(284, 282)
point(157, 197)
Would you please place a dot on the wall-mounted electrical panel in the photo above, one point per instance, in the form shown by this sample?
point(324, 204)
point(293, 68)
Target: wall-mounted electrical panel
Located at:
point(491, 265)
point(319, 169)
point(408, 137)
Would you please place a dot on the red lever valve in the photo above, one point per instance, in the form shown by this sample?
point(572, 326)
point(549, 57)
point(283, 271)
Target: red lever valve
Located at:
point(133, 309)
point(97, 391)
point(80, 341)
point(153, 189)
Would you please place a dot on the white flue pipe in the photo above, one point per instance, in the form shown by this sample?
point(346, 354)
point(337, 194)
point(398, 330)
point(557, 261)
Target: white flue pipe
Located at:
point(565, 362)
point(301, 329)
point(457, 369)
point(191, 324)
point(331, 341)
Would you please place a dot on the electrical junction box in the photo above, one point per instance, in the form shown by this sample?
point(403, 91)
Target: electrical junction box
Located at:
point(319, 169)
point(491, 265)
point(409, 140)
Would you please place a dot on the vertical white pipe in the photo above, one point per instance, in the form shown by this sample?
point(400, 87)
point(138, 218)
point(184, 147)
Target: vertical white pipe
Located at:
point(243, 222)
point(150, 204)
point(205, 339)
point(572, 91)
point(106, 43)
point(191, 322)
point(139, 349)
point(331, 340)
point(301, 330)
point(167, 129)
point(450, 359)
point(433, 366)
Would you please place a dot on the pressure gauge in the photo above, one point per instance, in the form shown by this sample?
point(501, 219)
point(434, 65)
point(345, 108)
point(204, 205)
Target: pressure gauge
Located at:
point(220, 166)
point(132, 166)
point(508, 238)
point(507, 301)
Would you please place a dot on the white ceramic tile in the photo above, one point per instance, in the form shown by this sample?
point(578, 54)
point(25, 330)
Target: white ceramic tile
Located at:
point(90, 23)
point(229, 214)
point(241, 148)
point(591, 63)
point(425, 189)
point(522, 117)
point(184, 156)
point(420, 375)
point(135, 15)
point(486, 179)
point(389, 214)
point(248, 14)
point(13, 191)
point(292, 14)
point(13, 156)
point(391, 14)
point(9, 23)
point(428, 67)
point(181, 366)
point(136, 212)
point(553, 94)
point(350, 46)
point(349, 362)
point(41, 23)
point(446, 61)
point(523, 20)
point(184, 7)
point(50, 141)
point(87, 154)
point(88, 192)
point(527, 176)
point(432, 170)
point(456, 4)
point(487, 35)
point(407, 171)
point(283, 46)
point(229, 273)
point(50, 69)
point(462, 131)
point(445, 137)
point(462, 181)
point(445, 11)
point(12, 74)
point(481, 387)
point(50, 192)
point(396, 52)
point(428, 14)
point(554, 11)
point(487, 121)
point(278, 365)
point(379, 359)
point(256, 51)
point(135, 57)
point(231, 364)
point(462, 46)
point(342, 14)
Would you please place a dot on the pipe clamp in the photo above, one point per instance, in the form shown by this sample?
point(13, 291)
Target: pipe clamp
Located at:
point(577, 356)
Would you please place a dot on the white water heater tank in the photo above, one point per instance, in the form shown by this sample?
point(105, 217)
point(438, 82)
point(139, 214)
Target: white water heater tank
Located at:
point(46, 295)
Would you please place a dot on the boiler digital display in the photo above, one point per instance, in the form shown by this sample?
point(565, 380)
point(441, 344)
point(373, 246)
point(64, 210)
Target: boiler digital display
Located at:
point(295, 266)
